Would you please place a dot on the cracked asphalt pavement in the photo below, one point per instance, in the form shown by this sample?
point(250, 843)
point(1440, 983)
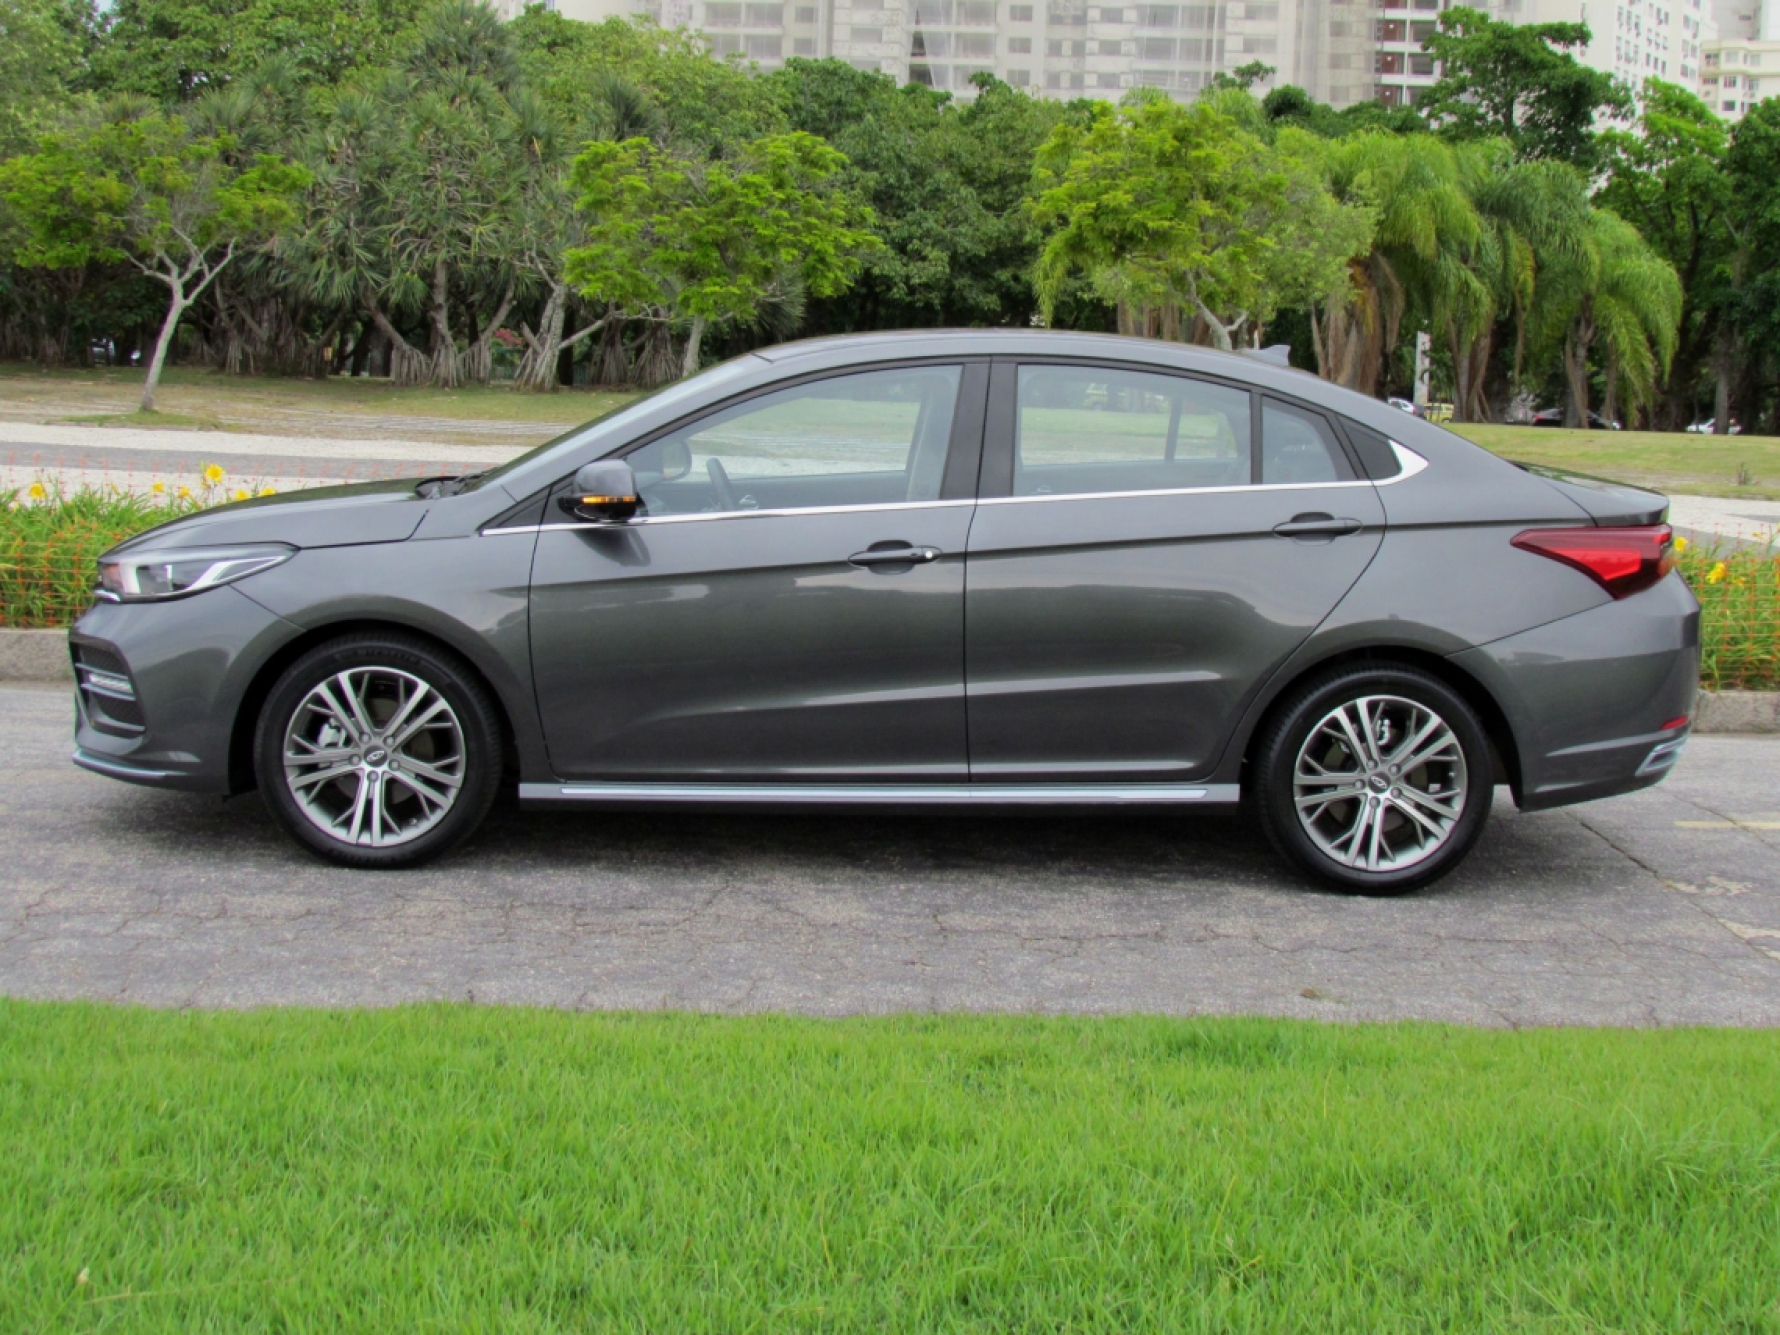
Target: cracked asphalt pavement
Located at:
point(1658, 908)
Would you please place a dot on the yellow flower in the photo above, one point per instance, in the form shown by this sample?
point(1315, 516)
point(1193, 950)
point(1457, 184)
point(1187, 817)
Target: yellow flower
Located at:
point(36, 492)
point(184, 493)
point(1680, 545)
point(268, 491)
point(159, 489)
point(241, 493)
point(213, 475)
point(1715, 574)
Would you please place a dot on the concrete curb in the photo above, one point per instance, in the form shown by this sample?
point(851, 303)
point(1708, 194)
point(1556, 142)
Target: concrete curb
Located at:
point(35, 655)
point(42, 656)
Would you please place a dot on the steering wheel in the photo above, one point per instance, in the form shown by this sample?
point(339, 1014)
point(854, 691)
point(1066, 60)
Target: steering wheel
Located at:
point(720, 485)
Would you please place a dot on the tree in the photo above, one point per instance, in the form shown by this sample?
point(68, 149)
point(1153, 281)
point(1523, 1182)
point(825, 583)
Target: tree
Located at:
point(1750, 348)
point(1612, 292)
point(1155, 203)
point(151, 193)
point(40, 53)
point(681, 237)
point(1670, 180)
point(1521, 83)
point(174, 50)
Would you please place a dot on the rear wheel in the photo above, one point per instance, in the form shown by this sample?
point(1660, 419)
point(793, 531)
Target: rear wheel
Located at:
point(378, 750)
point(1377, 779)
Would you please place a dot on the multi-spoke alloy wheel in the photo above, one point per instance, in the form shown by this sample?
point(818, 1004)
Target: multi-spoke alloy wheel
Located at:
point(379, 750)
point(1380, 783)
point(374, 756)
point(1377, 778)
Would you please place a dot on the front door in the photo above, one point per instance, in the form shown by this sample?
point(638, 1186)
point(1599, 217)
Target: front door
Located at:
point(1148, 549)
point(788, 608)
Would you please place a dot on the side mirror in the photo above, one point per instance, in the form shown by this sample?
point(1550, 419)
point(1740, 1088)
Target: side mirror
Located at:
point(605, 492)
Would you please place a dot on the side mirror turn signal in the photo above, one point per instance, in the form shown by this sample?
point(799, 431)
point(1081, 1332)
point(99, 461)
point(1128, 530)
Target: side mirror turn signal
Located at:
point(604, 492)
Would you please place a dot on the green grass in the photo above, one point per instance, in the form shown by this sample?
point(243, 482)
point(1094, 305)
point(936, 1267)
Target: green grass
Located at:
point(486, 1169)
point(191, 396)
point(1672, 462)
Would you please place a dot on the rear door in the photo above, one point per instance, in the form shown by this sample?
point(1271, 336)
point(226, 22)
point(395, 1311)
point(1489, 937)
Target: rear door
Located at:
point(1148, 548)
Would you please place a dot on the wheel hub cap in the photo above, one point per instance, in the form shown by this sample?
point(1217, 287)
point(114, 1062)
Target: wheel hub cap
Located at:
point(1380, 783)
point(374, 757)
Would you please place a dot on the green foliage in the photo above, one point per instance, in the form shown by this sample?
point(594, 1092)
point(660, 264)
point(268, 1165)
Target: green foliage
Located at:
point(1520, 82)
point(174, 50)
point(489, 1168)
point(1739, 591)
point(49, 541)
point(41, 45)
point(715, 239)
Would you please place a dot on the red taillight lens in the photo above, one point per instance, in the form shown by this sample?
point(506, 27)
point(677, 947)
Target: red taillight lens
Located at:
point(1620, 560)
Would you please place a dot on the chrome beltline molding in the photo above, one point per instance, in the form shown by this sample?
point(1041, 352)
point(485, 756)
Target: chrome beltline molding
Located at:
point(888, 794)
point(1412, 462)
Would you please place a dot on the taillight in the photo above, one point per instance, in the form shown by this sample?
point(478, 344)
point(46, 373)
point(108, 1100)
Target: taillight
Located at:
point(1621, 560)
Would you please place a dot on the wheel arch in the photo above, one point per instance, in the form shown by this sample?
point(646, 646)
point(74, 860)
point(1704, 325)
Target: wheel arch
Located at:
point(253, 699)
point(1505, 749)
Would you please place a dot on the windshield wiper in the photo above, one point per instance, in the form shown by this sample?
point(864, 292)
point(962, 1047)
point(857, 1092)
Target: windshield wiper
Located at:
point(433, 487)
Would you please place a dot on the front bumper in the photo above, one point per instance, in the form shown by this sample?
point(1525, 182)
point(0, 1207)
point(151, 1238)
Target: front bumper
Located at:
point(188, 665)
point(1593, 699)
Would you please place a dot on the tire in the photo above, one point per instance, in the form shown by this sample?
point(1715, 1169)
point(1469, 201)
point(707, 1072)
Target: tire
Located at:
point(353, 797)
point(1385, 831)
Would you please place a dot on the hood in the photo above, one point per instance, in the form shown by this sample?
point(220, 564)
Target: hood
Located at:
point(1608, 503)
point(361, 512)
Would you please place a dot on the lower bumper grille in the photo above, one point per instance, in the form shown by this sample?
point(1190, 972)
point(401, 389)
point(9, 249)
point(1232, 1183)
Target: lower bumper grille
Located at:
point(107, 691)
point(1662, 756)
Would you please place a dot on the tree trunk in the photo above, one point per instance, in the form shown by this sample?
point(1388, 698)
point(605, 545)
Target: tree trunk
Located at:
point(407, 363)
point(1610, 400)
point(655, 361)
point(611, 368)
point(442, 368)
point(1721, 391)
point(693, 338)
point(537, 369)
point(1576, 346)
point(175, 308)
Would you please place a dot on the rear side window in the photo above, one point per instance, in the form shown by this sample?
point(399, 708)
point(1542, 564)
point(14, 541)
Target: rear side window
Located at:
point(1299, 448)
point(1377, 458)
point(1084, 430)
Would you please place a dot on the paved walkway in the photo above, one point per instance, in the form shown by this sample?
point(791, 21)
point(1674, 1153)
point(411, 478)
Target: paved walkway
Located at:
point(1658, 908)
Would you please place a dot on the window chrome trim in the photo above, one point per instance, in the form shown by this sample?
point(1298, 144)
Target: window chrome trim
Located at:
point(1177, 491)
point(704, 517)
point(1412, 463)
point(890, 794)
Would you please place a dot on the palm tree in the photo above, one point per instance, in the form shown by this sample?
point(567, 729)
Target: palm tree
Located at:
point(1614, 291)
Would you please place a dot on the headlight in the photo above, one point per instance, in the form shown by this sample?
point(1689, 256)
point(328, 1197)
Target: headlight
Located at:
point(145, 576)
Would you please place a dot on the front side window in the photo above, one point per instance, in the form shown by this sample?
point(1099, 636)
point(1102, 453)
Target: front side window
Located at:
point(1087, 429)
point(875, 438)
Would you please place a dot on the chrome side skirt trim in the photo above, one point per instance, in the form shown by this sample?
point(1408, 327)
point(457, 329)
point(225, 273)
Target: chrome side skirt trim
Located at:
point(891, 794)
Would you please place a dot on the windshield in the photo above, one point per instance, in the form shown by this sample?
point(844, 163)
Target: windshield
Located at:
point(663, 397)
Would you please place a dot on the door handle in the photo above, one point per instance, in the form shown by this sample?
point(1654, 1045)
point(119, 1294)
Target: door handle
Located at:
point(1317, 525)
point(895, 556)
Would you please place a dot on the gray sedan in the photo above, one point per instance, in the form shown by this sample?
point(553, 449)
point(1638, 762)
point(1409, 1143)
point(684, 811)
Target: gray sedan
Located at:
point(940, 569)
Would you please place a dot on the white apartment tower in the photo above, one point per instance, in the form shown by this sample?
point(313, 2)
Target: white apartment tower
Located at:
point(1341, 51)
point(1744, 59)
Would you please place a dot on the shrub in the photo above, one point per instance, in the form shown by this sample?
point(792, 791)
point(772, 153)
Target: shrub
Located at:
point(1739, 592)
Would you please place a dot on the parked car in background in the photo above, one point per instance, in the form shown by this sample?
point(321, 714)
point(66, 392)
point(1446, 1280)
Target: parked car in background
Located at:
point(967, 570)
point(1555, 417)
point(1710, 427)
point(1404, 405)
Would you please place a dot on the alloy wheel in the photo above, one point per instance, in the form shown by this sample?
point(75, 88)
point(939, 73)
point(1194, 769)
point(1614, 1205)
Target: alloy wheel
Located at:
point(374, 756)
point(1380, 783)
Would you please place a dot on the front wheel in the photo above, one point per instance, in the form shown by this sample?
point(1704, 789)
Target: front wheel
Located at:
point(1377, 779)
point(378, 750)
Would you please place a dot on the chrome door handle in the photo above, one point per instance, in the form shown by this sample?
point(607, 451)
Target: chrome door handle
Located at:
point(895, 556)
point(1317, 525)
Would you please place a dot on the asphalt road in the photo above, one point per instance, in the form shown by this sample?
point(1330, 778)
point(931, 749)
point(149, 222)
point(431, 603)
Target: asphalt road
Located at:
point(1659, 908)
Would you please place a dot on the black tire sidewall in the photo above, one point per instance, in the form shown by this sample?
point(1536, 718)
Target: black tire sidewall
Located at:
point(1277, 758)
point(441, 670)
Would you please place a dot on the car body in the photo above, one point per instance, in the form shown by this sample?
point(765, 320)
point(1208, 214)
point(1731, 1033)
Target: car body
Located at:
point(956, 568)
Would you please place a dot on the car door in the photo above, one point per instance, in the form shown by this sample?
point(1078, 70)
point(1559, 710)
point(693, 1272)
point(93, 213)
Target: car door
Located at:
point(1148, 548)
point(788, 608)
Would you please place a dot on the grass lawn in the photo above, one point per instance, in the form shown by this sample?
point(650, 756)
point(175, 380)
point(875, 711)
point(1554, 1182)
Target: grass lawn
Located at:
point(448, 1168)
point(1671, 462)
point(190, 397)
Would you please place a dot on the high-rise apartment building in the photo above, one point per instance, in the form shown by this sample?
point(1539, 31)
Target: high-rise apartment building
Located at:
point(1744, 59)
point(1341, 51)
